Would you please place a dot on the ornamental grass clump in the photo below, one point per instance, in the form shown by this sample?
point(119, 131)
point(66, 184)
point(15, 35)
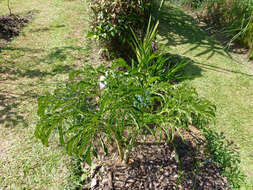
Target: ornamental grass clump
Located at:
point(154, 63)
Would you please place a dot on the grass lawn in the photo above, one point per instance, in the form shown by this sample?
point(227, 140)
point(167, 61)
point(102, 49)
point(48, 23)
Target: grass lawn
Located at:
point(54, 44)
point(223, 77)
point(33, 63)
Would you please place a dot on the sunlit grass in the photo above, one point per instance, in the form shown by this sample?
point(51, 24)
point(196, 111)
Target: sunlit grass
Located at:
point(224, 78)
point(33, 63)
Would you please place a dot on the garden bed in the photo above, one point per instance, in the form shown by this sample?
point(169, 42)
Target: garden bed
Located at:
point(160, 166)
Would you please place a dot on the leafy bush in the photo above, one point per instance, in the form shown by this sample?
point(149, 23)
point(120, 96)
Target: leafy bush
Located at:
point(111, 22)
point(129, 106)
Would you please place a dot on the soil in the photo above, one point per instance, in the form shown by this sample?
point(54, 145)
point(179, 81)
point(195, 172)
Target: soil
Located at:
point(160, 166)
point(11, 26)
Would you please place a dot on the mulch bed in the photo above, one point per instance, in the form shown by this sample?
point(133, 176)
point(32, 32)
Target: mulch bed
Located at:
point(160, 167)
point(11, 26)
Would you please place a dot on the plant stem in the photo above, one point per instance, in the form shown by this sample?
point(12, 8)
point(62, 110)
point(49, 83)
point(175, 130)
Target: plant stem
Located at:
point(8, 4)
point(120, 149)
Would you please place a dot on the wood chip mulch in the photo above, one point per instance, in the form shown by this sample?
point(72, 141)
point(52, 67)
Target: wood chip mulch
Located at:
point(158, 166)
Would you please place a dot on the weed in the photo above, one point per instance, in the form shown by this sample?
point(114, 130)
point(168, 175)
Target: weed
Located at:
point(220, 150)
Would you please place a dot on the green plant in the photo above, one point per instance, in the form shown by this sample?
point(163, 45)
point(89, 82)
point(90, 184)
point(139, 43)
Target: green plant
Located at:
point(130, 106)
point(119, 115)
point(220, 150)
point(153, 62)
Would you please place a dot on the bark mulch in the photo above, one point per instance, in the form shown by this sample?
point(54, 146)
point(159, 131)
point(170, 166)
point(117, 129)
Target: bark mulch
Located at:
point(181, 165)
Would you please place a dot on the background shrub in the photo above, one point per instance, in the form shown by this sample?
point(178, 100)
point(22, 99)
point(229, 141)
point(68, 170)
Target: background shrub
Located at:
point(111, 22)
point(233, 17)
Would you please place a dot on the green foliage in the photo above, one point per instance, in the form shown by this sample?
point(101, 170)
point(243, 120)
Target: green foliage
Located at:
point(219, 149)
point(111, 21)
point(131, 105)
point(153, 62)
point(235, 16)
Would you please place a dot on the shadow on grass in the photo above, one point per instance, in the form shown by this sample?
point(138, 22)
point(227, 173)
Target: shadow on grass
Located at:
point(220, 69)
point(12, 73)
point(22, 50)
point(45, 29)
point(18, 64)
point(54, 59)
point(191, 70)
point(59, 69)
point(9, 114)
point(194, 69)
point(63, 53)
point(178, 28)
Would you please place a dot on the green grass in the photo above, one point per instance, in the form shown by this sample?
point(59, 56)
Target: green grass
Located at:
point(35, 62)
point(54, 44)
point(224, 78)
